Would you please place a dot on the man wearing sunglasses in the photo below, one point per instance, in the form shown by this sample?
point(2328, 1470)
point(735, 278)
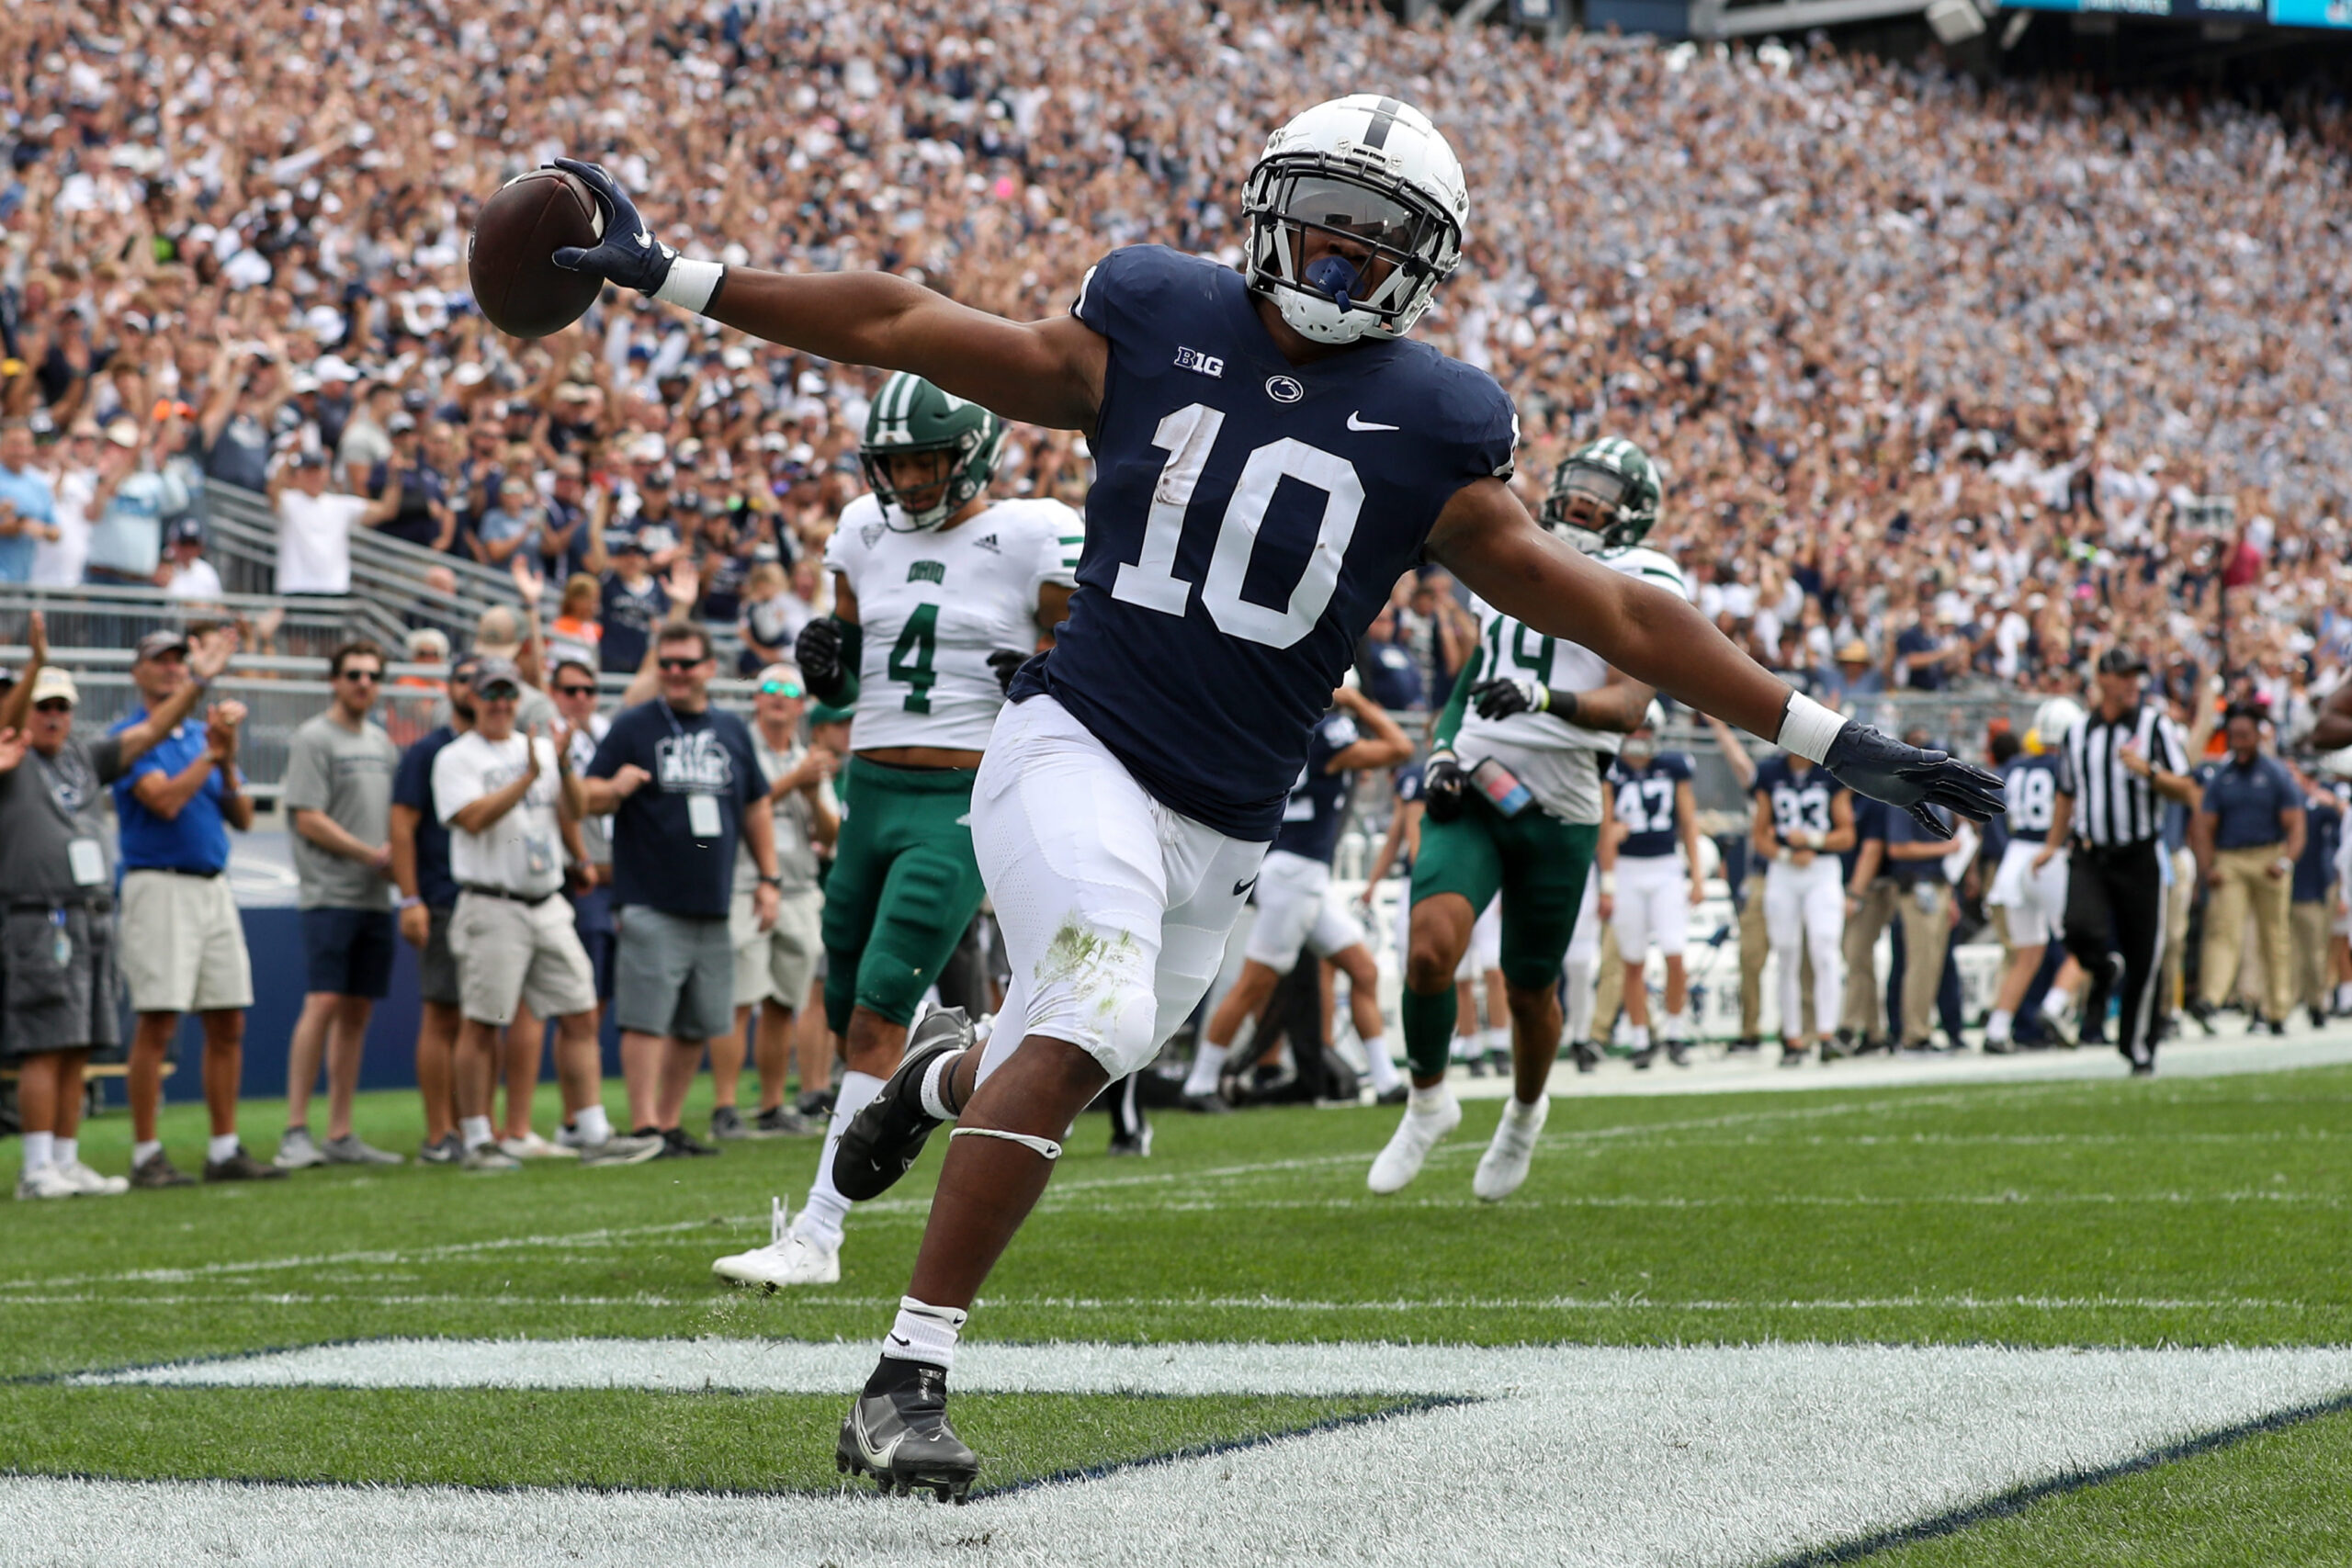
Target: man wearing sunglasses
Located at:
point(338, 791)
point(681, 781)
point(774, 968)
point(58, 943)
point(183, 947)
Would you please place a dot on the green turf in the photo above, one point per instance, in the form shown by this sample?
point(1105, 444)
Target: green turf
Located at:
point(2281, 1497)
point(2198, 1212)
point(605, 1437)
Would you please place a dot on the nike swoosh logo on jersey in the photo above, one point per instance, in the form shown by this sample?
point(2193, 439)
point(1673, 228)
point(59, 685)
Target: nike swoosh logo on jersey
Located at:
point(1357, 422)
point(1241, 888)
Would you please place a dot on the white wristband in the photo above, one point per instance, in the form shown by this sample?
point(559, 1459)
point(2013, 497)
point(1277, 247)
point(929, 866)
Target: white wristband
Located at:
point(1807, 727)
point(1608, 884)
point(690, 284)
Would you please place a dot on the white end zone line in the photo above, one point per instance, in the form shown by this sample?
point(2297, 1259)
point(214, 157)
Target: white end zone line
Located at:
point(1729, 1457)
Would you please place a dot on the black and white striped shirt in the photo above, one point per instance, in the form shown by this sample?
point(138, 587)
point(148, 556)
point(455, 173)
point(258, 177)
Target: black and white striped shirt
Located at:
point(2114, 805)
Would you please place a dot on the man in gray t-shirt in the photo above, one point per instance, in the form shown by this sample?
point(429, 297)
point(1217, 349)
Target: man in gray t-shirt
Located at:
point(338, 792)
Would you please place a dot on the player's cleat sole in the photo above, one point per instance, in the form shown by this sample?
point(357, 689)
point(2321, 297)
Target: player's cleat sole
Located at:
point(1417, 1132)
point(1504, 1165)
point(897, 1432)
point(883, 1141)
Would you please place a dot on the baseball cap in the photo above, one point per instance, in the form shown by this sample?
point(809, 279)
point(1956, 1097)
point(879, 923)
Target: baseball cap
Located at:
point(496, 671)
point(399, 424)
point(498, 633)
point(464, 666)
point(163, 640)
point(123, 433)
point(2122, 660)
point(185, 531)
point(53, 683)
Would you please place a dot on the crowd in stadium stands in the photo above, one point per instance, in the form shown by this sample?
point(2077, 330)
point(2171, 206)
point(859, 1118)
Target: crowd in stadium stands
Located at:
point(1951, 386)
point(1939, 374)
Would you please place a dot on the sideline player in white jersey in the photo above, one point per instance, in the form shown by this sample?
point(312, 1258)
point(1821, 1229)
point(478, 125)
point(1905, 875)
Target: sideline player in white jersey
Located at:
point(1649, 812)
point(939, 594)
point(1804, 820)
point(2029, 888)
point(1273, 451)
point(1512, 790)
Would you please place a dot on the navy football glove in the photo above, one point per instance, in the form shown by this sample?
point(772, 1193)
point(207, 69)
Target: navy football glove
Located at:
point(1444, 781)
point(629, 254)
point(1869, 763)
point(817, 651)
point(1007, 663)
point(1502, 698)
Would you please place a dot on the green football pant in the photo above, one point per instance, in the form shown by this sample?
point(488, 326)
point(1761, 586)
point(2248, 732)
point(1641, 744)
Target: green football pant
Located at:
point(1538, 864)
point(903, 888)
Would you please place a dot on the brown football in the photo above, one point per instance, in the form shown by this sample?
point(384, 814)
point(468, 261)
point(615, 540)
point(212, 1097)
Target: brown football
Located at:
point(509, 258)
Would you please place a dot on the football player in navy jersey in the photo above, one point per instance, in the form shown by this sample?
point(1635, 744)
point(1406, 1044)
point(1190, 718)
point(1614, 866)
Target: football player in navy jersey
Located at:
point(2029, 888)
point(1649, 810)
point(1273, 451)
point(1297, 908)
point(1805, 819)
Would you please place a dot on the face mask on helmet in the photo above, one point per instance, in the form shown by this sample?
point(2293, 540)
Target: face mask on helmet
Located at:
point(1344, 254)
point(920, 485)
point(1638, 750)
point(1584, 503)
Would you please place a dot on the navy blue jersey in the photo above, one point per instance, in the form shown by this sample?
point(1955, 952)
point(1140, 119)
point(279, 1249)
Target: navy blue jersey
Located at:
point(1247, 520)
point(1319, 800)
point(1646, 803)
point(1799, 804)
point(2322, 835)
point(2031, 785)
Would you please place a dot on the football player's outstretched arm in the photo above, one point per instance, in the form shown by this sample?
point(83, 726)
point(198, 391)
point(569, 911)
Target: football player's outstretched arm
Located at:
point(1487, 538)
point(1047, 373)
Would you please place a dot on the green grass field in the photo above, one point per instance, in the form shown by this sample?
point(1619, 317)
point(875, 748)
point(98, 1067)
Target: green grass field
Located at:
point(2183, 1213)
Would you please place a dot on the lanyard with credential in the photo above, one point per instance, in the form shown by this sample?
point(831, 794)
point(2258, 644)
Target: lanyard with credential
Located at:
point(702, 809)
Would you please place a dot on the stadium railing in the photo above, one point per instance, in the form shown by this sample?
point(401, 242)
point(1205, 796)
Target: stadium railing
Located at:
point(104, 615)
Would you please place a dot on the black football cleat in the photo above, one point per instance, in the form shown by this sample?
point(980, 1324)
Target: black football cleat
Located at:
point(897, 1432)
point(1678, 1053)
point(1647, 1057)
point(883, 1141)
point(1585, 1055)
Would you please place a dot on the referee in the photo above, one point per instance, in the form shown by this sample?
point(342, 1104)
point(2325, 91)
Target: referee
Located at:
point(2121, 762)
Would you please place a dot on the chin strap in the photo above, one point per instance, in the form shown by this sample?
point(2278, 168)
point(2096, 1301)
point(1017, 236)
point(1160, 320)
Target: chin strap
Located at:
point(1045, 1147)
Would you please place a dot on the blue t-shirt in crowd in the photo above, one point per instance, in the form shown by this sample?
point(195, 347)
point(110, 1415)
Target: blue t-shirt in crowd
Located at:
point(2247, 800)
point(29, 494)
point(630, 616)
point(2323, 834)
point(412, 787)
point(658, 860)
point(197, 839)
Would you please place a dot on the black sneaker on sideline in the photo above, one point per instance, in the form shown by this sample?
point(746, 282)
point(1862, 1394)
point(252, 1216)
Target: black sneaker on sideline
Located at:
point(1678, 1053)
point(897, 1432)
point(241, 1166)
point(784, 1122)
point(1585, 1055)
point(1207, 1105)
point(1132, 1146)
point(882, 1142)
point(1793, 1056)
point(676, 1142)
point(1745, 1043)
point(817, 1105)
point(1647, 1057)
point(725, 1121)
point(1395, 1094)
point(157, 1170)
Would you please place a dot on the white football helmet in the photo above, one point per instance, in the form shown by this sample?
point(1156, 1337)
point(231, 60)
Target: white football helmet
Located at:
point(1374, 172)
point(2052, 721)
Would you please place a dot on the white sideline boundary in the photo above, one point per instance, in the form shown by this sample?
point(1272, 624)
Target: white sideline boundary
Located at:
point(1730, 1457)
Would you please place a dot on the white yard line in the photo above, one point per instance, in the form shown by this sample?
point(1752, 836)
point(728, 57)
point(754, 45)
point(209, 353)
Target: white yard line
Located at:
point(1696, 1458)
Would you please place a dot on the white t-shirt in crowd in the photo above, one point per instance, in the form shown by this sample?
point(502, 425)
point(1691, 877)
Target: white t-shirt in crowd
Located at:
point(59, 565)
point(523, 851)
point(195, 580)
point(315, 541)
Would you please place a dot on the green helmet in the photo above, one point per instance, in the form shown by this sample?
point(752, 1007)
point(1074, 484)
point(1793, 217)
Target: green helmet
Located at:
point(1604, 496)
point(911, 416)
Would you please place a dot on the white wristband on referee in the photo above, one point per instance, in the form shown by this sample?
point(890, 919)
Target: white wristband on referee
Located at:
point(690, 284)
point(1807, 727)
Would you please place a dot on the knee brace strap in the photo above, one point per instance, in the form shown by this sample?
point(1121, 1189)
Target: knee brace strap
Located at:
point(1043, 1146)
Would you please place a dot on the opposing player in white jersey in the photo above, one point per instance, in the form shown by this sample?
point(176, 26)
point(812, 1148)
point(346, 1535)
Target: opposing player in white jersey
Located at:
point(1273, 451)
point(1804, 820)
point(1650, 811)
point(1513, 791)
point(939, 594)
point(2030, 886)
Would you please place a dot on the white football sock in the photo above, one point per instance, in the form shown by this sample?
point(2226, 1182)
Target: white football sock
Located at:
point(1208, 1062)
point(474, 1131)
point(821, 1216)
point(592, 1125)
point(1428, 1102)
point(1497, 1040)
point(1382, 1068)
point(933, 1090)
point(924, 1333)
point(1465, 1047)
point(1998, 1026)
point(39, 1150)
point(142, 1151)
point(220, 1148)
point(1581, 997)
point(1678, 1026)
point(1637, 1036)
point(2344, 996)
point(65, 1151)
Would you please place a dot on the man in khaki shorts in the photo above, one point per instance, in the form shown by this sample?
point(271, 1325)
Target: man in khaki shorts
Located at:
point(183, 947)
point(503, 796)
point(774, 968)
